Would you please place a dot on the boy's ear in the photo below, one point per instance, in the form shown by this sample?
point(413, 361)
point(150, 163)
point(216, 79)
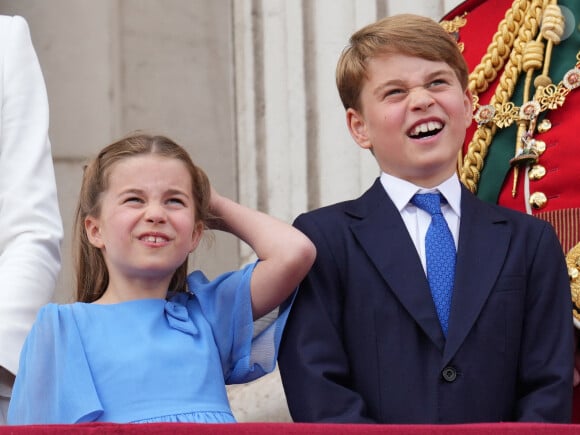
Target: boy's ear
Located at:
point(93, 231)
point(358, 128)
point(468, 108)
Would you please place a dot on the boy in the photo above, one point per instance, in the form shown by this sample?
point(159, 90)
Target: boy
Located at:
point(366, 340)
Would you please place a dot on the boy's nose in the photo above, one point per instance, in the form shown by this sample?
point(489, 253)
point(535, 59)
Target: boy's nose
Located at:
point(421, 99)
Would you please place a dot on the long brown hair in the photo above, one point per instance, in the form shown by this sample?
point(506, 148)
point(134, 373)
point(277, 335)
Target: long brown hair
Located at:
point(91, 271)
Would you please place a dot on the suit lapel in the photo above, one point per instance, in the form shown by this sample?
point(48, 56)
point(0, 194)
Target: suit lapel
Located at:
point(383, 235)
point(483, 245)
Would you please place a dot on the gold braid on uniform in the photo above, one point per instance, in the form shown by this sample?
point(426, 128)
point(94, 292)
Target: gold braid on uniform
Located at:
point(479, 80)
point(573, 263)
point(547, 96)
point(522, 20)
point(551, 31)
point(499, 49)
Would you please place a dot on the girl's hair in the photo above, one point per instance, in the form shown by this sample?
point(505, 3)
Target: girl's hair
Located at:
point(91, 271)
point(408, 34)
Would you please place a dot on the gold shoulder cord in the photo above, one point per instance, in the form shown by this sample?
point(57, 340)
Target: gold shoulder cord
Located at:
point(520, 25)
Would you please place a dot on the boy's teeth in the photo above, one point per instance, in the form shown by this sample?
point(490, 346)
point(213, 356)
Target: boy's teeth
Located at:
point(426, 127)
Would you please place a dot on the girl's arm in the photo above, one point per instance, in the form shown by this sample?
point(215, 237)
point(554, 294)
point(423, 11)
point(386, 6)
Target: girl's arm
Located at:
point(285, 253)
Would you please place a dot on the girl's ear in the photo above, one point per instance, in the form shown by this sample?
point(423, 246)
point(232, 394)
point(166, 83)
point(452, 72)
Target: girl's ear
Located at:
point(93, 230)
point(196, 236)
point(358, 128)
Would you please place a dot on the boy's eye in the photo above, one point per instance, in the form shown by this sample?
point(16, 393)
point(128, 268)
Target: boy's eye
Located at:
point(437, 82)
point(393, 92)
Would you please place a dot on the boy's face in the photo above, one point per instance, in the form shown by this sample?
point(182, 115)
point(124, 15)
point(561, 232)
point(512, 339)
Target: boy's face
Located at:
point(413, 117)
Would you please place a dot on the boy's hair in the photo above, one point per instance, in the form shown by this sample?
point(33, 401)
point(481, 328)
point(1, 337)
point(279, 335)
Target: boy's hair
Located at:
point(408, 34)
point(91, 271)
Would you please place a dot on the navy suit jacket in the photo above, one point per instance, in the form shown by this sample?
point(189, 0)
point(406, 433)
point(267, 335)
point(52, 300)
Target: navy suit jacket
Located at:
point(363, 342)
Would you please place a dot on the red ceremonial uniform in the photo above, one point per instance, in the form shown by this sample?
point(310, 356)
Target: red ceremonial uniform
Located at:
point(547, 182)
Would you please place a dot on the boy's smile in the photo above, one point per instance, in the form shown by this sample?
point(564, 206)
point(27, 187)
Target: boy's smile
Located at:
point(413, 117)
point(425, 129)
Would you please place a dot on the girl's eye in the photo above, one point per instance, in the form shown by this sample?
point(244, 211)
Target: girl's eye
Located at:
point(178, 201)
point(133, 199)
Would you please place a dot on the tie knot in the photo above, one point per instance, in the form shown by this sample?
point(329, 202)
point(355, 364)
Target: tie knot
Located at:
point(430, 202)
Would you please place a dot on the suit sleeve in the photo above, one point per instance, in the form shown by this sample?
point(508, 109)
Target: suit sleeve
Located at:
point(30, 219)
point(546, 362)
point(313, 362)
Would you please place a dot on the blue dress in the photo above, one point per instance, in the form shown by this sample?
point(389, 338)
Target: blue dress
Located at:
point(151, 360)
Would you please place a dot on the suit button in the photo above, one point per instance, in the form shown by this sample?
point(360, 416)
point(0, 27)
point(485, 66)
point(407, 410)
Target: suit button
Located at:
point(449, 374)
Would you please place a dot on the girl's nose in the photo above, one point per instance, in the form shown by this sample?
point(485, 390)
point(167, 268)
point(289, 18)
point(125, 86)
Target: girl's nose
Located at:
point(155, 214)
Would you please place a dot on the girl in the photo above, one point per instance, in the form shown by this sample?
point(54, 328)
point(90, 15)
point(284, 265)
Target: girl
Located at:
point(145, 342)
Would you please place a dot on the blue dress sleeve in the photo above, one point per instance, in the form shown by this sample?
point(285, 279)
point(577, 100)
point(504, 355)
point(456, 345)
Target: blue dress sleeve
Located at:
point(226, 304)
point(54, 381)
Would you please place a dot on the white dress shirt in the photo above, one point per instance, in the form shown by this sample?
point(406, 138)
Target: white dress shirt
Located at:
point(417, 220)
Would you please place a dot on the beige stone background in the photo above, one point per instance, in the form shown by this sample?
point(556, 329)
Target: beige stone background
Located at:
point(246, 86)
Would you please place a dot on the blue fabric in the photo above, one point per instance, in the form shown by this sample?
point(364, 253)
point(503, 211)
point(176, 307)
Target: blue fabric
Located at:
point(151, 360)
point(440, 254)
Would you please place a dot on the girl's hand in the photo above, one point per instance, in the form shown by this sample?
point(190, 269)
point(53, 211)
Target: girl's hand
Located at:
point(216, 204)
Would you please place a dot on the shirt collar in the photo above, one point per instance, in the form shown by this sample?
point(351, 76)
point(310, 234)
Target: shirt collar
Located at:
point(401, 191)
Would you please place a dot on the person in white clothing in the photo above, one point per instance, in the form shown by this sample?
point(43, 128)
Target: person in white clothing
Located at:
point(30, 220)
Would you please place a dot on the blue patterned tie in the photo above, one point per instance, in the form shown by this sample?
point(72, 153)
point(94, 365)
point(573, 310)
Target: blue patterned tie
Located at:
point(440, 253)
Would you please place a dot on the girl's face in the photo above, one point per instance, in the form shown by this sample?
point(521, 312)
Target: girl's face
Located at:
point(147, 224)
point(414, 117)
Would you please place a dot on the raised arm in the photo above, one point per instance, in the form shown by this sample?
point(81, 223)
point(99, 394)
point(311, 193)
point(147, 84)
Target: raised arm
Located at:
point(286, 254)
